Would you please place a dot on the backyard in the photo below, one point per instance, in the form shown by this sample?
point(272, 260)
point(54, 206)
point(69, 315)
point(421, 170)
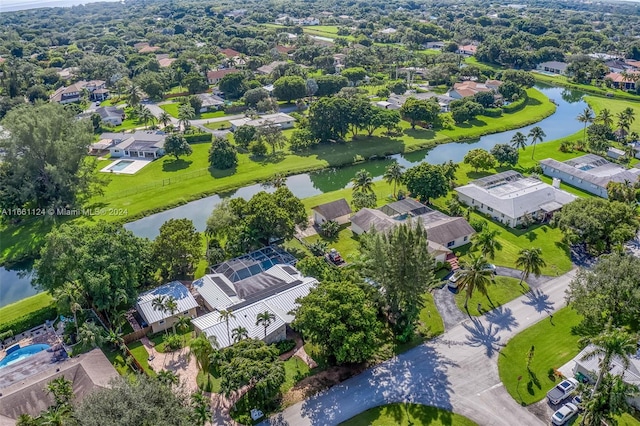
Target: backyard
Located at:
point(499, 292)
point(406, 415)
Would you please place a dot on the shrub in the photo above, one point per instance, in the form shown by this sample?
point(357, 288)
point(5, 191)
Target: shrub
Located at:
point(30, 320)
point(516, 105)
point(478, 225)
point(258, 148)
point(284, 346)
point(172, 342)
point(318, 248)
point(6, 334)
point(492, 112)
point(198, 137)
point(330, 229)
point(222, 154)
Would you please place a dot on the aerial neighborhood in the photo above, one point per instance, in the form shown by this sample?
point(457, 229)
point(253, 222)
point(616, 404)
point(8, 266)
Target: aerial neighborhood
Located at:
point(320, 213)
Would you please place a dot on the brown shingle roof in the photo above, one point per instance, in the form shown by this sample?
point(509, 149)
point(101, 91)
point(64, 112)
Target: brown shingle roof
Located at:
point(334, 209)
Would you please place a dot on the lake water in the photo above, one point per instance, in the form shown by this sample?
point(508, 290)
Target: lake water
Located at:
point(561, 124)
point(15, 5)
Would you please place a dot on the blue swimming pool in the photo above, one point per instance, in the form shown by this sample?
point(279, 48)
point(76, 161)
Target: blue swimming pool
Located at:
point(22, 353)
point(121, 165)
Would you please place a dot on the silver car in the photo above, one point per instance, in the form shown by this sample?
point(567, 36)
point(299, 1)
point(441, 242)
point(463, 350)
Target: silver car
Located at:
point(564, 414)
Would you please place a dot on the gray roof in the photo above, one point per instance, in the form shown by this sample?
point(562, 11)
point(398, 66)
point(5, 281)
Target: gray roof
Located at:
point(114, 136)
point(369, 218)
point(175, 289)
point(593, 169)
point(110, 111)
point(209, 100)
point(449, 229)
point(406, 205)
point(268, 69)
point(513, 195)
point(143, 140)
point(631, 375)
point(334, 209)
point(554, 64)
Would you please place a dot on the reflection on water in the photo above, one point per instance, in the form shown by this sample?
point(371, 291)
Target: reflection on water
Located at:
point(15, 285)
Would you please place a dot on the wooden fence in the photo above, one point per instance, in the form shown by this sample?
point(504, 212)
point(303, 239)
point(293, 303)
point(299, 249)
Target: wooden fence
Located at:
point(136, 335)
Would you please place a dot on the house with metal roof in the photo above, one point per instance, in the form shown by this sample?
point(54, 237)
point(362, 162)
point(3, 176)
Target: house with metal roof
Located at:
point(338, 211)
point(589, 172)
point(511, 198)
point(160, 319)
point(282, 120)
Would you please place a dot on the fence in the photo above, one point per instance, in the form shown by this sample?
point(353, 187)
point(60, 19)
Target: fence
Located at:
point(136, 335)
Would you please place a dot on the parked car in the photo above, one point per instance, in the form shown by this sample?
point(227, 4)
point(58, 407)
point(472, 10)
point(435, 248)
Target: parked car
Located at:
point(562, 390)
point(564, 414)
point(453, 279)
point(491, 267)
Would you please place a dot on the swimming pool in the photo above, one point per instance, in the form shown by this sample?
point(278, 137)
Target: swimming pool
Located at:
point(121, 165)
point(22, 353)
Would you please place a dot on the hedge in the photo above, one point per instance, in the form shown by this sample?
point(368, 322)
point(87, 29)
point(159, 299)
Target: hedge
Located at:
point(198, 137)
point(234, 109)
point(30, 320)
point(516, 105)
point(492, 112)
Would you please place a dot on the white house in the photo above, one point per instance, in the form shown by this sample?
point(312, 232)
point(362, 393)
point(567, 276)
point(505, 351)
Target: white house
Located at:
point(161, 319)
point(589, 172)
point(111, 115)
point(510, 198)
point(553, 67)
point(337, 211)
point(210, 102)
point(284, 121)
point(214, 77)
point(141, 144)
point(615, 153)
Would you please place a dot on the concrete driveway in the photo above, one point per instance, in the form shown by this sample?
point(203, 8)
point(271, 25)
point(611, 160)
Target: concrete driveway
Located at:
point(457, 371)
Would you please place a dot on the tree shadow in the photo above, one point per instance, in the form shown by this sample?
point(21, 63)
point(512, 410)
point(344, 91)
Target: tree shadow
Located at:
point(272, 158)
point(483, 336)
point(539, 300)
point(502, 317)
point(278, 420)
point(173, 165)
point(220, 173)
point(531, 236)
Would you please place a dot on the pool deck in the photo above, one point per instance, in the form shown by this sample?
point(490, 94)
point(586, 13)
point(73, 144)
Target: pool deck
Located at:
point(137, 164)
point(25, 368)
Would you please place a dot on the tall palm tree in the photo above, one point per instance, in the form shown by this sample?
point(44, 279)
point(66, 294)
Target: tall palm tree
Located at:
point(519, 141)
point(164, 119)
point(611, 343)
point(531, 262)
point(239, 333)
point(171, 306)
point(265, 319)
point(91, 335)
point(185, 114)
point(146, 116)
point(623, 122)
point(486, 241)
point(69, 297)
point(159, 303)
point(609, 402)
point(474, 275)
point(536, 134)
point(116, 340)
point(201, 349)
point(133, 94)
point(605, 117)
point(201, 408)
point(183, 323)
point(61, 390)
point(585, 117)
point(167, 377)
point(393, 174)
point(362, 182)
point(226, 315)
point(630, 114)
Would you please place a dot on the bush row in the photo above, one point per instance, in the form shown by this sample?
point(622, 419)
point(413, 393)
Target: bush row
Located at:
point(198, 137)
point(516, 105)
point(492, 112)
point(30, 320)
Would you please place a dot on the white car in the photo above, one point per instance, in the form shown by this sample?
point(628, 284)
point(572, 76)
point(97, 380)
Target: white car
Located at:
point(564, 414)
point(562, 390)
point(453, 280)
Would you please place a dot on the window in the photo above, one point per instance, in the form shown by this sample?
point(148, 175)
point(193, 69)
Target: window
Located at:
point(161, 322)
point(185, 313)
point(451, 243)
point(466, 237)
point(490, 209)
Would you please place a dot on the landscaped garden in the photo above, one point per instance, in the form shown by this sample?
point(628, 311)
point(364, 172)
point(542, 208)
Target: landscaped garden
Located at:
point(499, 292)
point(406, 415)
point(554, 344)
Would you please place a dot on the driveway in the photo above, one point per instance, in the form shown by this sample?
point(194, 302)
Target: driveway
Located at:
point(457, 371)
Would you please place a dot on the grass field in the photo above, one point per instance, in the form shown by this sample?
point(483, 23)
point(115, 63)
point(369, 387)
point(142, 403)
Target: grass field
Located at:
point(407, 415)
point(616, 106)
point(218, 125)
point(554, 344)
point(295, 370)
point(560, 80)
point(430, 319)
point(24, 307)
point(141, 355)
point(499, 292)
point(172, 110)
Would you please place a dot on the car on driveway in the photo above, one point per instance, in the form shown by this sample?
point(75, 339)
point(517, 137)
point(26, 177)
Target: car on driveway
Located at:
point(453, 279)
point(564, 414)
point(562, 390)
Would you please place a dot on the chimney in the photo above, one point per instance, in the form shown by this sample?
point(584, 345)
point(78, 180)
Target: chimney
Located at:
point(556, 183)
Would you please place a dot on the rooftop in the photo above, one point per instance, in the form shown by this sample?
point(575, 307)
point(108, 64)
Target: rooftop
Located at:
point(276, 119)
point(334, 209)
point(253, 263)
point(174, 289)
point(593, 169)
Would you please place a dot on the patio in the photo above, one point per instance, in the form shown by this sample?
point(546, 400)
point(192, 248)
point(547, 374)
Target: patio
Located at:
point(131, 165)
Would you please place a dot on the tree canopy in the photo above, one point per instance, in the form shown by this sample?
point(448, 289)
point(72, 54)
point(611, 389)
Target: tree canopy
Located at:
point(177, 250)
point(426, 181)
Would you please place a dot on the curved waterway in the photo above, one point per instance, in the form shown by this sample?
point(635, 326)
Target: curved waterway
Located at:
point(560, 124)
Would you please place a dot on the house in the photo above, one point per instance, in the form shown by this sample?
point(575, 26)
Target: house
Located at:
point(284, 50)
point(623, 81)
point(434, 45)
point(210, 102)
point(512, 199)
point(166, 62)
point(214, 77)
point(111, 115)
point(470, 88)
point(467, 50)
point(107, 140)
point(69, 94)
point(589, 172)
point(615, 153)
point(337, 211)
point(589, 368)
point(388, 31)
point(553, 67)
point(230, 53)
point(159, 319)
point(618, 65)
point(280, 119)
point(99, 95)
point(268, 69)
point(146, 48)
point(141, 144)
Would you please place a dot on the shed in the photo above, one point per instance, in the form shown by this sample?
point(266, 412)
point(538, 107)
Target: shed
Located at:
point(338, 211)
point(615, 153)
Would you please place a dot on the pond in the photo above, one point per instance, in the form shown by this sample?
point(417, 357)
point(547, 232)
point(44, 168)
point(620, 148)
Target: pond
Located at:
point(561, 124)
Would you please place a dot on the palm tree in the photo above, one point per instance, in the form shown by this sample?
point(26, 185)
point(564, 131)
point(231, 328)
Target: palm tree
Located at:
point(61, 389)
point(90, 335)
point(185, 113)
point(265, 319)
point(536, 134)
point(26, 420)
point(55, 416)
point(629, 114)
point(585, 117)
point(226, 315)
point(69, 297)
point(605, 117)
point(134, 94)
point(362, 182)
point(183, 323)
point(158, 303)
point(239, 333)
point(611, 343)
point(393, 174)
point(475, 274)
point(146, 116)
point(201, 349)
point(609, 402)
point(164, 119)
point(201, 408)
point(487, 243)
point(116, 340)
point(167, 377)
point(531, 262)
point(171, 306)
point(519, 141)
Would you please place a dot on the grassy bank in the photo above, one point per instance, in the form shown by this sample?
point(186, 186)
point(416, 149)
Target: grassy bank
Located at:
point(560, 80)
point(406, 415)
point(24, 307)
point(616, 106)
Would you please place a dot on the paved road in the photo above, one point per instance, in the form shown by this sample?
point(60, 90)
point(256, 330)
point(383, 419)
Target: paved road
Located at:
point(457, 371)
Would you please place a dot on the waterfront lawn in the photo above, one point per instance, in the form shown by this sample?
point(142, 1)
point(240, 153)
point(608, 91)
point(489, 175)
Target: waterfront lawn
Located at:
point(615, 106)
point(555, 344)
point(561, 80)
point(346, 242)
point(405, 414)
point(499, 292)
point(24, 308)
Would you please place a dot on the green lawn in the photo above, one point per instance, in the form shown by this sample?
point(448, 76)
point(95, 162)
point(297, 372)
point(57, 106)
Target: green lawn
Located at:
point(560, 80)
point(615, 106)
point(24, 307)
point(499, 292)
point(172, 109)
point(554, 344)
point(430, 321)
point(213, 383)
point(141, 355)
point(218, 125)
point(295, 370)
point(118, 361)
point(158, 339)
point(347, 243)
point(407, 415)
